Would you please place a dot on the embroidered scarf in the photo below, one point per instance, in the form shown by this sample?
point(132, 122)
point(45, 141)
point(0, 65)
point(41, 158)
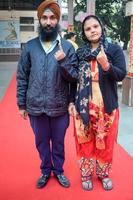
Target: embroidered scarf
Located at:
point(84, 88)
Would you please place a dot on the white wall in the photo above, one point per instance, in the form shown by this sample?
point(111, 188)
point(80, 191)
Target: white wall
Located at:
point(13, 14)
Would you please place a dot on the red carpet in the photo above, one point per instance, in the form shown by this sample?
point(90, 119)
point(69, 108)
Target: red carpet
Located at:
point(19, 163)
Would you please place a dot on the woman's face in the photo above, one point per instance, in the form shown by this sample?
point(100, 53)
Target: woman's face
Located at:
point(92, 30)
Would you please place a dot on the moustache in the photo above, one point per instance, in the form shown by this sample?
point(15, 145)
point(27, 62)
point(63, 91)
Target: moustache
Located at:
point(48, 33)
point(48, 27)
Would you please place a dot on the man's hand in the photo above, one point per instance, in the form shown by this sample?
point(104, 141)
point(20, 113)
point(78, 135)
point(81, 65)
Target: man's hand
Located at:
point(103, 60)
point(59, 55)
point(23, 114)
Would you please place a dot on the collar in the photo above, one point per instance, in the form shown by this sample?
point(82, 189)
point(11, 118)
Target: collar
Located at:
point(53, 44)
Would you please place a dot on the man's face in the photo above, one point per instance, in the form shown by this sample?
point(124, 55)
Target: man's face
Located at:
point(49, 26)
point(48, 20)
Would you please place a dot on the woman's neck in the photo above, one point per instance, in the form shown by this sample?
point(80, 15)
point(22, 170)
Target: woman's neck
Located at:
point(94, 45)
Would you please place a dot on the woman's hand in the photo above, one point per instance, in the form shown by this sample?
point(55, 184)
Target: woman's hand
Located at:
point(72, 110)
point(103, 60)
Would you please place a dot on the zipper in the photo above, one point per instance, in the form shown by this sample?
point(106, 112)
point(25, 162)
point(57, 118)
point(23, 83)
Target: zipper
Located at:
point(45, 81)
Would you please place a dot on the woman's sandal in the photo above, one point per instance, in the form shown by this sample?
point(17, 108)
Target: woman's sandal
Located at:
point(107, 183)
point(87, 184)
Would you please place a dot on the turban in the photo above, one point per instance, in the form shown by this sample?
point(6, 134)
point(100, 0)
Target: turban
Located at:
point(50, 4)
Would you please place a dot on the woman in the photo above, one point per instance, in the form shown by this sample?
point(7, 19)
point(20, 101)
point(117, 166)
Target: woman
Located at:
point(96, 113)
point(71, 37)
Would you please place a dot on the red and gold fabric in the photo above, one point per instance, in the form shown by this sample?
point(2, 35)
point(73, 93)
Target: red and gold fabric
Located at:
point(96, 141)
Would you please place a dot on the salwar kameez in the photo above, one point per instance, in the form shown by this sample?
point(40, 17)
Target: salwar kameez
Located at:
point(94, 143)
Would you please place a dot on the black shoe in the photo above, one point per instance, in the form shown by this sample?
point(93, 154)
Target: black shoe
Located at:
point(62, 180)
point(42, 181)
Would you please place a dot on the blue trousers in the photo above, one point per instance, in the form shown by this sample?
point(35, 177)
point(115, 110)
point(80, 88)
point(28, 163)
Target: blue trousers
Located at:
point(49, 138)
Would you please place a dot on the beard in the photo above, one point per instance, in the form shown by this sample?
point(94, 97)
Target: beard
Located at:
point(48, 33)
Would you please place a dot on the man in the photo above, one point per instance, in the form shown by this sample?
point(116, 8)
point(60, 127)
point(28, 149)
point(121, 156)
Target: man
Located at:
point(46, 68)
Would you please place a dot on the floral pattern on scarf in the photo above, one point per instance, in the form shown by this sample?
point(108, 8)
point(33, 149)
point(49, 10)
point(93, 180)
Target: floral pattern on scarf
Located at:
point(84, 89)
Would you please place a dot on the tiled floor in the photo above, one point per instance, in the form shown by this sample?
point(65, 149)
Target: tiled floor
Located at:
point(125, 136)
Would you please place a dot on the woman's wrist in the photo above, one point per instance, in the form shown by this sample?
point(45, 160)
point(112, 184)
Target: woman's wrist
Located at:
point(106, 68)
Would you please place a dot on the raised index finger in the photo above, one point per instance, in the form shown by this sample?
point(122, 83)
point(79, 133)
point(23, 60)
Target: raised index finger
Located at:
point(60, 46)
point(102, 48)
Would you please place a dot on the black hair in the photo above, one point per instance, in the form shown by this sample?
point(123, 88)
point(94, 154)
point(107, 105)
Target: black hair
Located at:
point(69, 35)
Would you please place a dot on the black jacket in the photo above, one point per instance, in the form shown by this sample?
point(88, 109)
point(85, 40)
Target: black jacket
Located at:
point(108, 80)
point(43, 83)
